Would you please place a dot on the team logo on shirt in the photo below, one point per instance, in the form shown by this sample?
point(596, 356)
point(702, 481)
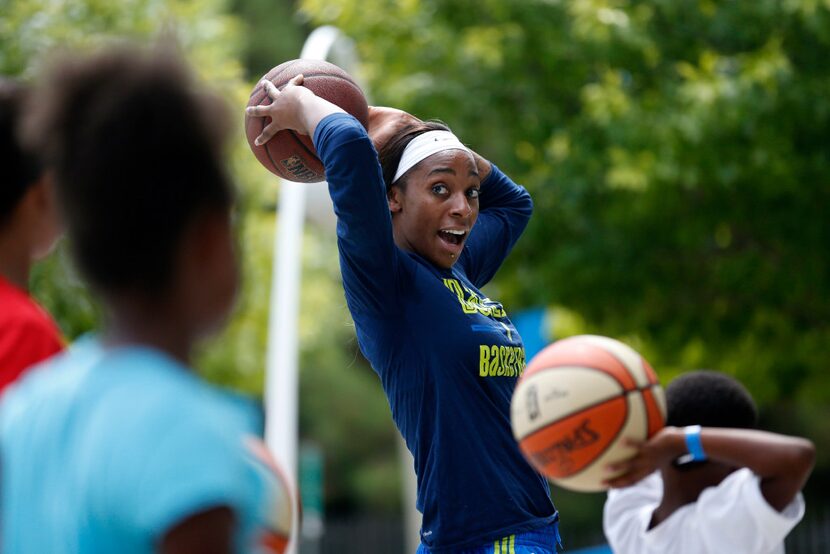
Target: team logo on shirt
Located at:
point(494, 360)
point(472, 303)
point(498, 360)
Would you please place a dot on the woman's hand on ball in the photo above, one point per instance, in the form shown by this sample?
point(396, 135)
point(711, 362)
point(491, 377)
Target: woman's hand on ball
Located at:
point(284, 109)
point(295, 107)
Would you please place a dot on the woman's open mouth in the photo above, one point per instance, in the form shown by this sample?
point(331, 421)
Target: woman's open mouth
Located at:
point(454, 237)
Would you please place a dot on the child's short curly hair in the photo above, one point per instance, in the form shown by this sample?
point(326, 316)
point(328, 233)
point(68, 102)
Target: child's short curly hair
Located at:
point(136, 154)
point(710, 399)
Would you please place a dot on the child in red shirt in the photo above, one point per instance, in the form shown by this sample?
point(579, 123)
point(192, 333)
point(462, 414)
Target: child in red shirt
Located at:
point(29, 227)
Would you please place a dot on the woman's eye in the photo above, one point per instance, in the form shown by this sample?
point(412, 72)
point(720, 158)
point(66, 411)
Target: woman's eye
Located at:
point(440, 189)
point(473, 193)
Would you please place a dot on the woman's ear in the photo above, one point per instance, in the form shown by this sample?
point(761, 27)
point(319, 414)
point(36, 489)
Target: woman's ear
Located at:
point(394, 197)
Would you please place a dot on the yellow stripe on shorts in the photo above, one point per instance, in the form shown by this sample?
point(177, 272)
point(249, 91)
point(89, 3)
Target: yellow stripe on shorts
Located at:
point(507, 545)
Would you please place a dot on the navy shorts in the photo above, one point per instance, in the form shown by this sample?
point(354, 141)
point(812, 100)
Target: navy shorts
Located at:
point(538, 541)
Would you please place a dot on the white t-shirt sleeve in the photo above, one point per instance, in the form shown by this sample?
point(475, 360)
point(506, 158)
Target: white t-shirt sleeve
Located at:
point(735, 516)
point(627, 513)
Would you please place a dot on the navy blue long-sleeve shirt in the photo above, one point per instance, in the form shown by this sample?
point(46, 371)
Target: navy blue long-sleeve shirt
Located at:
point(448, 357)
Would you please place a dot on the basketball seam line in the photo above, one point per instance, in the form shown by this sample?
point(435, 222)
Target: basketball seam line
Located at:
point(586, 408)
point(628, 369)
point(268, 153)
point(619, 360)
point(304, 147)
point(594, 368)
point(296, 139)
point(625, 365)
point(614, 438)
point(650, 389)
point(291, 132)
point(248, 121)
point(311, 76)
point(604, 448)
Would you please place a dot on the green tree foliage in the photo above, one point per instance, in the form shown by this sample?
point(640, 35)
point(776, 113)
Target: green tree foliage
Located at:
point(273, 33)
point(339, 394)
point(677, 154)
point(32, 30)
point(343, 406)
point(676, 151)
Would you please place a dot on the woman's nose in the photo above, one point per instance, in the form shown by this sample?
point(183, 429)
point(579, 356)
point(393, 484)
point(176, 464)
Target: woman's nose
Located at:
point(461, 206)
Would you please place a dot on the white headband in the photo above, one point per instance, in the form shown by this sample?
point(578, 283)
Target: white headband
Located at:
point(425, 145)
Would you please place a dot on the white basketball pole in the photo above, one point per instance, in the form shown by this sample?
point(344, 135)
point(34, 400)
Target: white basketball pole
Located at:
point(282, 351)
point(281, 382)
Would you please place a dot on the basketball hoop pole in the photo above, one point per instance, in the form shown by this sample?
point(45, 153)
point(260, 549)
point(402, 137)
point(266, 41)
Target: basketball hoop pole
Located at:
point(281, 382)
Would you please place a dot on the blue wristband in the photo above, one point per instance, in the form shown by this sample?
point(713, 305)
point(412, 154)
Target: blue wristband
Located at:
point(693, 445)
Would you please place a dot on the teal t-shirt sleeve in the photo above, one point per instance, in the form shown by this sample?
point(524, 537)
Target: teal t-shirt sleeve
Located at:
point(192, 469)
point(179, 452)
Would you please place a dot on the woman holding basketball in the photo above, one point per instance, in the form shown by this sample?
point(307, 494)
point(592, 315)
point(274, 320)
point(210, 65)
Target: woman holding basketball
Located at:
point(419, 233)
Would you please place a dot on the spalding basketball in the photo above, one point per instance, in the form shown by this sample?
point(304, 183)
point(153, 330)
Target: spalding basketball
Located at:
point(288, 154)
point(577, 401)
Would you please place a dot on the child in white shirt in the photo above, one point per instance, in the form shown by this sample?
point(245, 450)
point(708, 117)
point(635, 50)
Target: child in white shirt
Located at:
point(708, 482)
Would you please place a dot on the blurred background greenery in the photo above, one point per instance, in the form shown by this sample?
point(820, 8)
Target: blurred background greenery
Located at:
point(677, 152)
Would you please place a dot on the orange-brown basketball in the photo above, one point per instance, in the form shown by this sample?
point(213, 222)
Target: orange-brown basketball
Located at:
point(276, 513)
point(577, 401)
point(289, 154)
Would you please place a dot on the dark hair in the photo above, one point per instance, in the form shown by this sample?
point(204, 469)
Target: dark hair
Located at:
point(391, 152)
point(710, 399)
point(20, 167)
point(136, 156)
